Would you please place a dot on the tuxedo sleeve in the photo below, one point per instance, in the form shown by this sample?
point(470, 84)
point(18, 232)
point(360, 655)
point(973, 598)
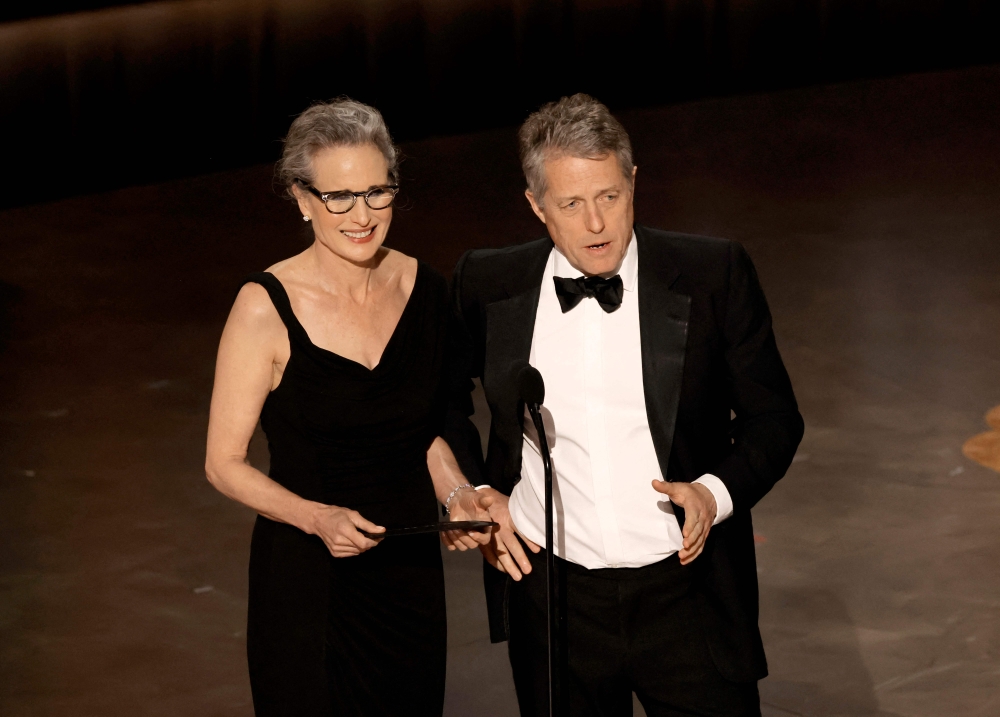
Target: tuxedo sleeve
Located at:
point(459, 431)
point(767, 426)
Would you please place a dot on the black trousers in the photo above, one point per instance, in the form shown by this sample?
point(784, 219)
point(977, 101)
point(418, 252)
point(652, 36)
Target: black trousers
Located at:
point(621, 630)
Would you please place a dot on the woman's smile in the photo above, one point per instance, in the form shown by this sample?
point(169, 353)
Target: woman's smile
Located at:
point(361, 236)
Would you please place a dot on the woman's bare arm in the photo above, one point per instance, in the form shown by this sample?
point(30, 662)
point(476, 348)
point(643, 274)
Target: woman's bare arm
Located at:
point(245, 372)
point(465, 503)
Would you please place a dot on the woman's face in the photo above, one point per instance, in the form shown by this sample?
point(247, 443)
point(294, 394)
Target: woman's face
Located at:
point(357, 235)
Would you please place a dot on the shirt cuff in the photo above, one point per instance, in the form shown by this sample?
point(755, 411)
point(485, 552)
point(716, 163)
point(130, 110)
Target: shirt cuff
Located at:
point(723, 501)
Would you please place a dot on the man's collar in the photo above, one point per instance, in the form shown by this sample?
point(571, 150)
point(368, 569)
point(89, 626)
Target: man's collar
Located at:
point(629, 271)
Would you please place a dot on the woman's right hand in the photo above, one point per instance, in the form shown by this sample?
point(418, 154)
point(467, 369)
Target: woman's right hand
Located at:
point(338, 528)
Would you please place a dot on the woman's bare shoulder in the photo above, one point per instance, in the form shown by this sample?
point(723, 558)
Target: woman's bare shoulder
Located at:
point(288, 269)
point(253, 309)
point(401, 268)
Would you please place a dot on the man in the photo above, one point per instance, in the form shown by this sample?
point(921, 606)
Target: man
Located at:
point(669, 414)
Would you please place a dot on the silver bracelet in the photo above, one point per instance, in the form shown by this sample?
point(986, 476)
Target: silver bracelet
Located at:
point(453, 494)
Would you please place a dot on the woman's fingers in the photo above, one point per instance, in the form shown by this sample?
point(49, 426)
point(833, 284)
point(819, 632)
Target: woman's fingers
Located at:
point(363, 524)
point(457, 539)
point(481, 537)
point(354, 534)
point(344, 551)
point(446, 540)
point(473, 539)
point(340, 530)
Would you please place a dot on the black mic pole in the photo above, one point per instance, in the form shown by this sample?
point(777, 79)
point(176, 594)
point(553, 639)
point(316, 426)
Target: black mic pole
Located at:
point(550, 560)
point(532, 391)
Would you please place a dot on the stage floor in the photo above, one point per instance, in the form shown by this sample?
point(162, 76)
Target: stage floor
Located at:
point(871, 210)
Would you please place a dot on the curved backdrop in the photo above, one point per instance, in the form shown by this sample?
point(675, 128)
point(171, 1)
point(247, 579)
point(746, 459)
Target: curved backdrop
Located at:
point(116, 94)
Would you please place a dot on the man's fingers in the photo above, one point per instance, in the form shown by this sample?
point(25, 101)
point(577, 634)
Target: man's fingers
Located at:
point(675, 491)
point(693, 548)
point(511, 555)
point(662, 486)
point(488, 552)
point(516, 551)
point(688, 555)
point(668, 488)
point(486, 500)
point(692, 522)
point(490, 555)
point(693, 530)
point(532, 547)
point(509, 565)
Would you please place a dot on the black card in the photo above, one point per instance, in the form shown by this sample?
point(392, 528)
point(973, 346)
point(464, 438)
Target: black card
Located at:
point(468, 525)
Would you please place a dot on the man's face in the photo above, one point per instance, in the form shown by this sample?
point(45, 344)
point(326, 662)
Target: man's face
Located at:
point(587, 209)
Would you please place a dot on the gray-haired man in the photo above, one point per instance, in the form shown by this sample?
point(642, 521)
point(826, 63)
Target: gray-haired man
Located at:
point(647, 340)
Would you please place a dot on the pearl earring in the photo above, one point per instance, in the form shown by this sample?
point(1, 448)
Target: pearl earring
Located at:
point(305, 219)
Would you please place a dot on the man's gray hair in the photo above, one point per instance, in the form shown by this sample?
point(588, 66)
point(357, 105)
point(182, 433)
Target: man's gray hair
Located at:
point(577, 126)
point(341, 122)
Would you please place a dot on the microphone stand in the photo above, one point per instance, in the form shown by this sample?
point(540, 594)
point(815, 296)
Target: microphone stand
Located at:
point(550, 561)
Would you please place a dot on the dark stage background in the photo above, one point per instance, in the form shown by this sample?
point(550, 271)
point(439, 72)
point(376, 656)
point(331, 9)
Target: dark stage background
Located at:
point(869, 205)
point(99, 94)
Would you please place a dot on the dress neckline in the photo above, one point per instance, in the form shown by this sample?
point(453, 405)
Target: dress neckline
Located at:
point(339, 357)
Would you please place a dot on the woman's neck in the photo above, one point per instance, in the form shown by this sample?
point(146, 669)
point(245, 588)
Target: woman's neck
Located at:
point(340, 276)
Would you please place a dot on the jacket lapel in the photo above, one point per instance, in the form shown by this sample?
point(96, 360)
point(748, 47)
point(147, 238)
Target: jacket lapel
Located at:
point(663, 330)
point(510, 324)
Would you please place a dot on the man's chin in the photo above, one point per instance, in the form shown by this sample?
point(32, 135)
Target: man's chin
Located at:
point(597, 265)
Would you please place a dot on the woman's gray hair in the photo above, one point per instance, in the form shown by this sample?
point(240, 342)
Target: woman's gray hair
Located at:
point(341, 122)
point(577, 126)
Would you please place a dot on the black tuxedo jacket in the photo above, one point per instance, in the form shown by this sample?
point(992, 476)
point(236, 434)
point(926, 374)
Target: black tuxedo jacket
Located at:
point(717, 395)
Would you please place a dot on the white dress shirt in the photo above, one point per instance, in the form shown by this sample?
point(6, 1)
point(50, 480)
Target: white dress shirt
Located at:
point(606, 513)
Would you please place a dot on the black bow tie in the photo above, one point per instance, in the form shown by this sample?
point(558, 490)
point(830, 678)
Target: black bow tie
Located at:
point(571, 292)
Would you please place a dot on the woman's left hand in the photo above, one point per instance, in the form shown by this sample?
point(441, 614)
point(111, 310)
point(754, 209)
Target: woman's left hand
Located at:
point(467, 505)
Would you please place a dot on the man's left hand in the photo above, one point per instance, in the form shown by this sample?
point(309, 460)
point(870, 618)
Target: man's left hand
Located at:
point(699, 514)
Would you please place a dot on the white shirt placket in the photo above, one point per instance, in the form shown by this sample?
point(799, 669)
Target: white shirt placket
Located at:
point(597, 435)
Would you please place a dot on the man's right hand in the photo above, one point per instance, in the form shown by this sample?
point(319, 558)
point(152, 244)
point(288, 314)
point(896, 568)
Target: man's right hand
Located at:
point(504, 551)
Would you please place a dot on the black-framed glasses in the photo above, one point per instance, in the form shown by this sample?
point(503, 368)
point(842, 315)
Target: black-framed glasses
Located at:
point(343, 201)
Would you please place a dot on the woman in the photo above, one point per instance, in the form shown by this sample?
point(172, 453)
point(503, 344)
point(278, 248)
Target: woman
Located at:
point(341, 353)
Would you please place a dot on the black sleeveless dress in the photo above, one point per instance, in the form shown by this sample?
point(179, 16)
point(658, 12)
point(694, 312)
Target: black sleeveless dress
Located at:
point(364, 635)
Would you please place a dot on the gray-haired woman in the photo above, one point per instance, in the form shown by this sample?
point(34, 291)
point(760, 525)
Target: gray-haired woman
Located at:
point(341, 352)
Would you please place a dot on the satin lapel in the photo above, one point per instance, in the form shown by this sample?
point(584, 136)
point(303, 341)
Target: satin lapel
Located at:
point(663, 330)
point(510, 324)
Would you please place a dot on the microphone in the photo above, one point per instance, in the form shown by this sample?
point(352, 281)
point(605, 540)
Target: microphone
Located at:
point(530, 386)
point(531, 390)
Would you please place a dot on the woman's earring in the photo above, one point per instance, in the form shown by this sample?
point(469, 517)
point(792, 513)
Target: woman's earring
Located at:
point(305, 219)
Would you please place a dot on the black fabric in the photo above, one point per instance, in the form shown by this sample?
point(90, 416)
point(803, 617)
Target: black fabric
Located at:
point(621, 630)
point(707, 349)
point(364, 635)
point(607, 292)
